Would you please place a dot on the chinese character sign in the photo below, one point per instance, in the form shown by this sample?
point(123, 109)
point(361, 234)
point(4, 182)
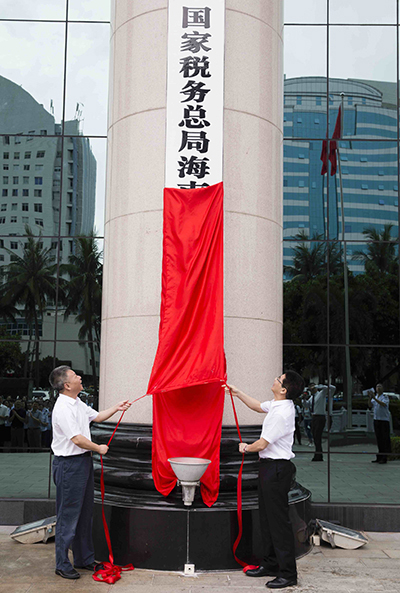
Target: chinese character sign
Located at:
point(195, 99)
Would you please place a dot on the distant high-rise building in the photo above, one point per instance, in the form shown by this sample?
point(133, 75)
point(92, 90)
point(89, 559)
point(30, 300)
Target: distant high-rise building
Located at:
point(34, 164)
point(368, 159)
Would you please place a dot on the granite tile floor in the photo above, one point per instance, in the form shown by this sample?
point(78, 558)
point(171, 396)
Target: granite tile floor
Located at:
point(372, 568)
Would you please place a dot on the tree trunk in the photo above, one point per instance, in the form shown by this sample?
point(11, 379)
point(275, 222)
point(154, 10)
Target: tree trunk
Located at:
point(37, 375)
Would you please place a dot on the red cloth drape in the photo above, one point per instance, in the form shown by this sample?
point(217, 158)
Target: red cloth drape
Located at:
point(189, 367)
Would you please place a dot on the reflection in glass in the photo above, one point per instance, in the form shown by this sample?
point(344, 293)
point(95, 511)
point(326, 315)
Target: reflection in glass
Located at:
point(78, 188)
point(308, 11)
point(305, 292)
point(355, 479)
point(83, 195)
point(29, 185)
point(94, 10)
point(87, 77)
point(372, 293)
point(307, 61)
point(366, 53)
point(360, 11)
point(31, 79)
point(40, 9)
point(305, 107)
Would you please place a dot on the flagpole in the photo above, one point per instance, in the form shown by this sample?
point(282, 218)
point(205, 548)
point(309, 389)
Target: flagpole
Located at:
point(348, 382)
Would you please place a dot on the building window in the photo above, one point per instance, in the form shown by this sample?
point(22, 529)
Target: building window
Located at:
point(15, 167)
point(16, 155)
point(364, 186)
point(38, 180)
point(349, 100)
point(2, 220)
point(301, 155)
point(6, 155)
point(38, 208)
point(14, 206)
point(299, 120)
point(381, 202)
point(25, 220)
point(347, 228)
point(13, 219)
point(364, 100)
point(15, 180)
point(27, 155)
point(17, 140)
point(5, 180)
point(285, 183)
point(43, 132)
point(5, 193)
point(25, 180)
point(15, 192)
point(380, 173)
point(6, 167)
point(13, 245)
point(316, 120)
point(40, 154)
point(298, 100)
point(345, 171)
point(27, 167)
point(313, 185)
point(301, 183)
point(25, 207)
point(343, 157)
point(39, 221)
point(38, 167)
point(25, 192)
point(3, 207)
point(318, 100)
point(363, 159)
point(37, 193)
point(395, 188)
point(381, 187)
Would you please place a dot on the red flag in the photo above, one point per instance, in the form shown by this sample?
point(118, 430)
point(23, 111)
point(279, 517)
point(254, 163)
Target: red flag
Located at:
point(332, 148)
point(189, 367)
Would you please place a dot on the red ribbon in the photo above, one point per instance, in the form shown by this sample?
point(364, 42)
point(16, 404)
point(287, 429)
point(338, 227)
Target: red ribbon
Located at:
point(110, 573)
point(246, 567)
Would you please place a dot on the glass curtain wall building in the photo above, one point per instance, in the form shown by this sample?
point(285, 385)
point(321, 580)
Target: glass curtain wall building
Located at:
point(340, 247)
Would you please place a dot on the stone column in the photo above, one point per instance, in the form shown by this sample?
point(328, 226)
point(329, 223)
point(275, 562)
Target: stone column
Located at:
point(253, 200)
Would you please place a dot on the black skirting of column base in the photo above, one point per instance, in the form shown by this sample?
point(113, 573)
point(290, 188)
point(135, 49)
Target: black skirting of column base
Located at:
point(156, 532)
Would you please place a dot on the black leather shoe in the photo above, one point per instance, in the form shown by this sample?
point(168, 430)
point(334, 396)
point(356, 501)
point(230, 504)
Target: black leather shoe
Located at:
point(281, 583)
point(72, 574)
point(261, 571)
point(93, 566)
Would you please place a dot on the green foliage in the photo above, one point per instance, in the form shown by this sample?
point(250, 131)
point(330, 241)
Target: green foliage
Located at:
point(11, 357)
point(395, 442)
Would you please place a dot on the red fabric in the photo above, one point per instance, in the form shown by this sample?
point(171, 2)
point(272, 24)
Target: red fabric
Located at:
point(190, 360)
point(332, 148)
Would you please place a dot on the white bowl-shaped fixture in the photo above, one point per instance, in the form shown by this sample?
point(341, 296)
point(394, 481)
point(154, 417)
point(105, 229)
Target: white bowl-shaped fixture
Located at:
point(189, 469)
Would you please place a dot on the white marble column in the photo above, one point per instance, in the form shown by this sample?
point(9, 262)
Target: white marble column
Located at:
point(253, 200)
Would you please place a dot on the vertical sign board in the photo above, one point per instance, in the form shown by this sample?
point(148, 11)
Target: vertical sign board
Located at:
point(195, 93)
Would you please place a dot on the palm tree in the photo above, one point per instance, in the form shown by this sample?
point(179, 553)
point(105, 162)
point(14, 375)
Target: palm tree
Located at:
point(308, 260)
point(83, 294)
point(381, 251)
point(30, 281)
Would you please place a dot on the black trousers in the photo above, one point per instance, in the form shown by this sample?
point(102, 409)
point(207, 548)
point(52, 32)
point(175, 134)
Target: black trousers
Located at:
point(274, 480)
point(317, 428)
point(73, 477)
point(382, 433)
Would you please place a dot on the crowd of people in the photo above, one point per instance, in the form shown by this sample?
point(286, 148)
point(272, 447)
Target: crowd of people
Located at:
point(25, 424)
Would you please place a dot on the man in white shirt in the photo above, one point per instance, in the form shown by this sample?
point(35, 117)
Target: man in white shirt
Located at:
point(73, 471)
point(276, 472)
point(317, 401)
point(380, 406)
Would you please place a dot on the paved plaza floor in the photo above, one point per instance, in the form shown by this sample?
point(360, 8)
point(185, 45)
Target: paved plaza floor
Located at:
point(353, 478)
point(374, 567)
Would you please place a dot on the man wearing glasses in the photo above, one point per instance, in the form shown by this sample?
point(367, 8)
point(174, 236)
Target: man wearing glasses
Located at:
point(276, 472)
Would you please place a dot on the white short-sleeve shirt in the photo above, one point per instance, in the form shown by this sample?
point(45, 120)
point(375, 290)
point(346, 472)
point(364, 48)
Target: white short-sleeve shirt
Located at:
point(70, 418)
point(278, 429)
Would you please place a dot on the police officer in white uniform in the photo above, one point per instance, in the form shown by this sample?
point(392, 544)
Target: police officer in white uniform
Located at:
point(73, 471)
point(276, 472)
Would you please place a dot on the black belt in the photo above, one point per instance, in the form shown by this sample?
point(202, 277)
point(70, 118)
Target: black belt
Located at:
point(87, 454)
point(269, 459)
